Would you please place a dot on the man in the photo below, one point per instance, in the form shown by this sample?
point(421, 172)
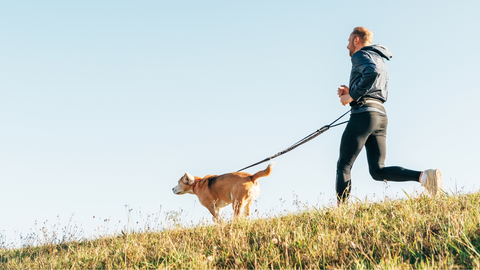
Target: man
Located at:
point(368, 121)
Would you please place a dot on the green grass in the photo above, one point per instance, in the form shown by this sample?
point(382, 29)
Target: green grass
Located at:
point(420, 233)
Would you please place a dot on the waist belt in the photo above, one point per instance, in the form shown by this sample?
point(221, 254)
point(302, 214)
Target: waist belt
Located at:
point(369, 105)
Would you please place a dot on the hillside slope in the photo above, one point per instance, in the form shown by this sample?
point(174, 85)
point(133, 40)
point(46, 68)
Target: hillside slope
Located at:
point(399, 234)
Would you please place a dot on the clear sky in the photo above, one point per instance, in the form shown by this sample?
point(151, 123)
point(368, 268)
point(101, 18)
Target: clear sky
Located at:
point(108, 103)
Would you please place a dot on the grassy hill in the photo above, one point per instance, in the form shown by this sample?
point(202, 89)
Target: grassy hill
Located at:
point(438, 233)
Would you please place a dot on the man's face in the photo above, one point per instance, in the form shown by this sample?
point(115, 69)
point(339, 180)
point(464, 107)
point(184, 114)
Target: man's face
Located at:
point(351, 45)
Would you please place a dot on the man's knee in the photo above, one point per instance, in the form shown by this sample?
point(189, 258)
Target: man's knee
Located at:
point(377, 174)
point(343, 166)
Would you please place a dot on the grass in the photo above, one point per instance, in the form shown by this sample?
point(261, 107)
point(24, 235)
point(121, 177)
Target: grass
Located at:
point(420, 233)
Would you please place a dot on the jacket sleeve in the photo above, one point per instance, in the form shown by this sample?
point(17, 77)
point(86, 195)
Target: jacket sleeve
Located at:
point(369, 73)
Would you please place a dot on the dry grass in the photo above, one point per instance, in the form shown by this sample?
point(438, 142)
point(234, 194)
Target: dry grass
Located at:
point(420, 233)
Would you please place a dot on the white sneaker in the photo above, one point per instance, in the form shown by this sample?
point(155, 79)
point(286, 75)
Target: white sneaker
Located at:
point(434, 181)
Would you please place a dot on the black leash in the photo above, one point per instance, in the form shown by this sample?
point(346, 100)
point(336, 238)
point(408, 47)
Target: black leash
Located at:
point(302, 141)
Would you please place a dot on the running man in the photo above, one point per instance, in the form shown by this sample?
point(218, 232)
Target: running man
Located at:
point(368, 121)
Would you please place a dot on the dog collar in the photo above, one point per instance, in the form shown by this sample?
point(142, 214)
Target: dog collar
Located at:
point(194, 185)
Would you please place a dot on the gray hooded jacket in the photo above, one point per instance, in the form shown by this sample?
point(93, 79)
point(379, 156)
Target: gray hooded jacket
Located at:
point(369, 78)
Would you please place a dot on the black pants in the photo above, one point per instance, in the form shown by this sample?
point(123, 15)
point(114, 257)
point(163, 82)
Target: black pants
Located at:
point(367, 129)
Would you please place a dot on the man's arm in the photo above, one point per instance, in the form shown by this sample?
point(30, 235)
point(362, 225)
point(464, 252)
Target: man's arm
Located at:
point(369, 75)
point(363, 64)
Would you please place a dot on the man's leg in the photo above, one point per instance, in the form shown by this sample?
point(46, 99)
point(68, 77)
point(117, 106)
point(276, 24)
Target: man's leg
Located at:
point(353, 139)
point(376, 154)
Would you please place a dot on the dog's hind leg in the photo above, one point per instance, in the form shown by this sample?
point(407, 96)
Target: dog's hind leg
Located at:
point(237, 207)
point(246, 210)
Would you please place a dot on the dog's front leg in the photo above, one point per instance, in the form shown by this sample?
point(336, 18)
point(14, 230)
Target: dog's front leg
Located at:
point(216, 212)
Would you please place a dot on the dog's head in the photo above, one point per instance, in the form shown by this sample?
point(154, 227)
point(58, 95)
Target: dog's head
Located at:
point(185, 185)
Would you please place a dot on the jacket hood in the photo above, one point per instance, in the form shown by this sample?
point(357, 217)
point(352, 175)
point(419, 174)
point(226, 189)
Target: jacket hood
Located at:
point(380, 49)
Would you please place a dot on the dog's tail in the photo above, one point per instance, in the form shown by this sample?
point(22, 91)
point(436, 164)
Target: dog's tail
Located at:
point(263, 173)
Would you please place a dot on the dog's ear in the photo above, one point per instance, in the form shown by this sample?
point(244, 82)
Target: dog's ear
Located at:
point(189, 179)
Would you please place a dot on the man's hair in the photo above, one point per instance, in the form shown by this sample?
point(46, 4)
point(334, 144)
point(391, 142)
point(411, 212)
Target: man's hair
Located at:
point(365, 35)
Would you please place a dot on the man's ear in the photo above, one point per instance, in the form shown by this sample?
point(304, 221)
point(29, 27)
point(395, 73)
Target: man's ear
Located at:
point(356, 40)
point(188, 179)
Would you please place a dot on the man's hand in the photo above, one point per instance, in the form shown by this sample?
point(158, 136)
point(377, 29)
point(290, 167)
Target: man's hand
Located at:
point(346, 99)
point(343, 94)
point(342, 90)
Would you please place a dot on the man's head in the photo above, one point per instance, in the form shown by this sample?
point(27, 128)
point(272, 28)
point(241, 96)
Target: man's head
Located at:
point(359, 38)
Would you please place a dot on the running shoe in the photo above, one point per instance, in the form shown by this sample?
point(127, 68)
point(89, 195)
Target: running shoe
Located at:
point(434, 181)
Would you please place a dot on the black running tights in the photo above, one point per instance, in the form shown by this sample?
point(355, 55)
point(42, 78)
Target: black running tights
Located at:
point(367, 129)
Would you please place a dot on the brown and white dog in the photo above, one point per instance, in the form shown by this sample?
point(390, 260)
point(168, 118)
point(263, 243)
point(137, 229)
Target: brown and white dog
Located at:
point(217, 191)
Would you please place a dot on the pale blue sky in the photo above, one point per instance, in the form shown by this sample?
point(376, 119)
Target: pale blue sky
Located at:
point(107, 103)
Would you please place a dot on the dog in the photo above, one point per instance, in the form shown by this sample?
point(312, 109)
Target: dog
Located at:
point(217, 191)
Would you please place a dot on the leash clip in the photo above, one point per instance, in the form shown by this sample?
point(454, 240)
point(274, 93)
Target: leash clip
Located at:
point(361, 103)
